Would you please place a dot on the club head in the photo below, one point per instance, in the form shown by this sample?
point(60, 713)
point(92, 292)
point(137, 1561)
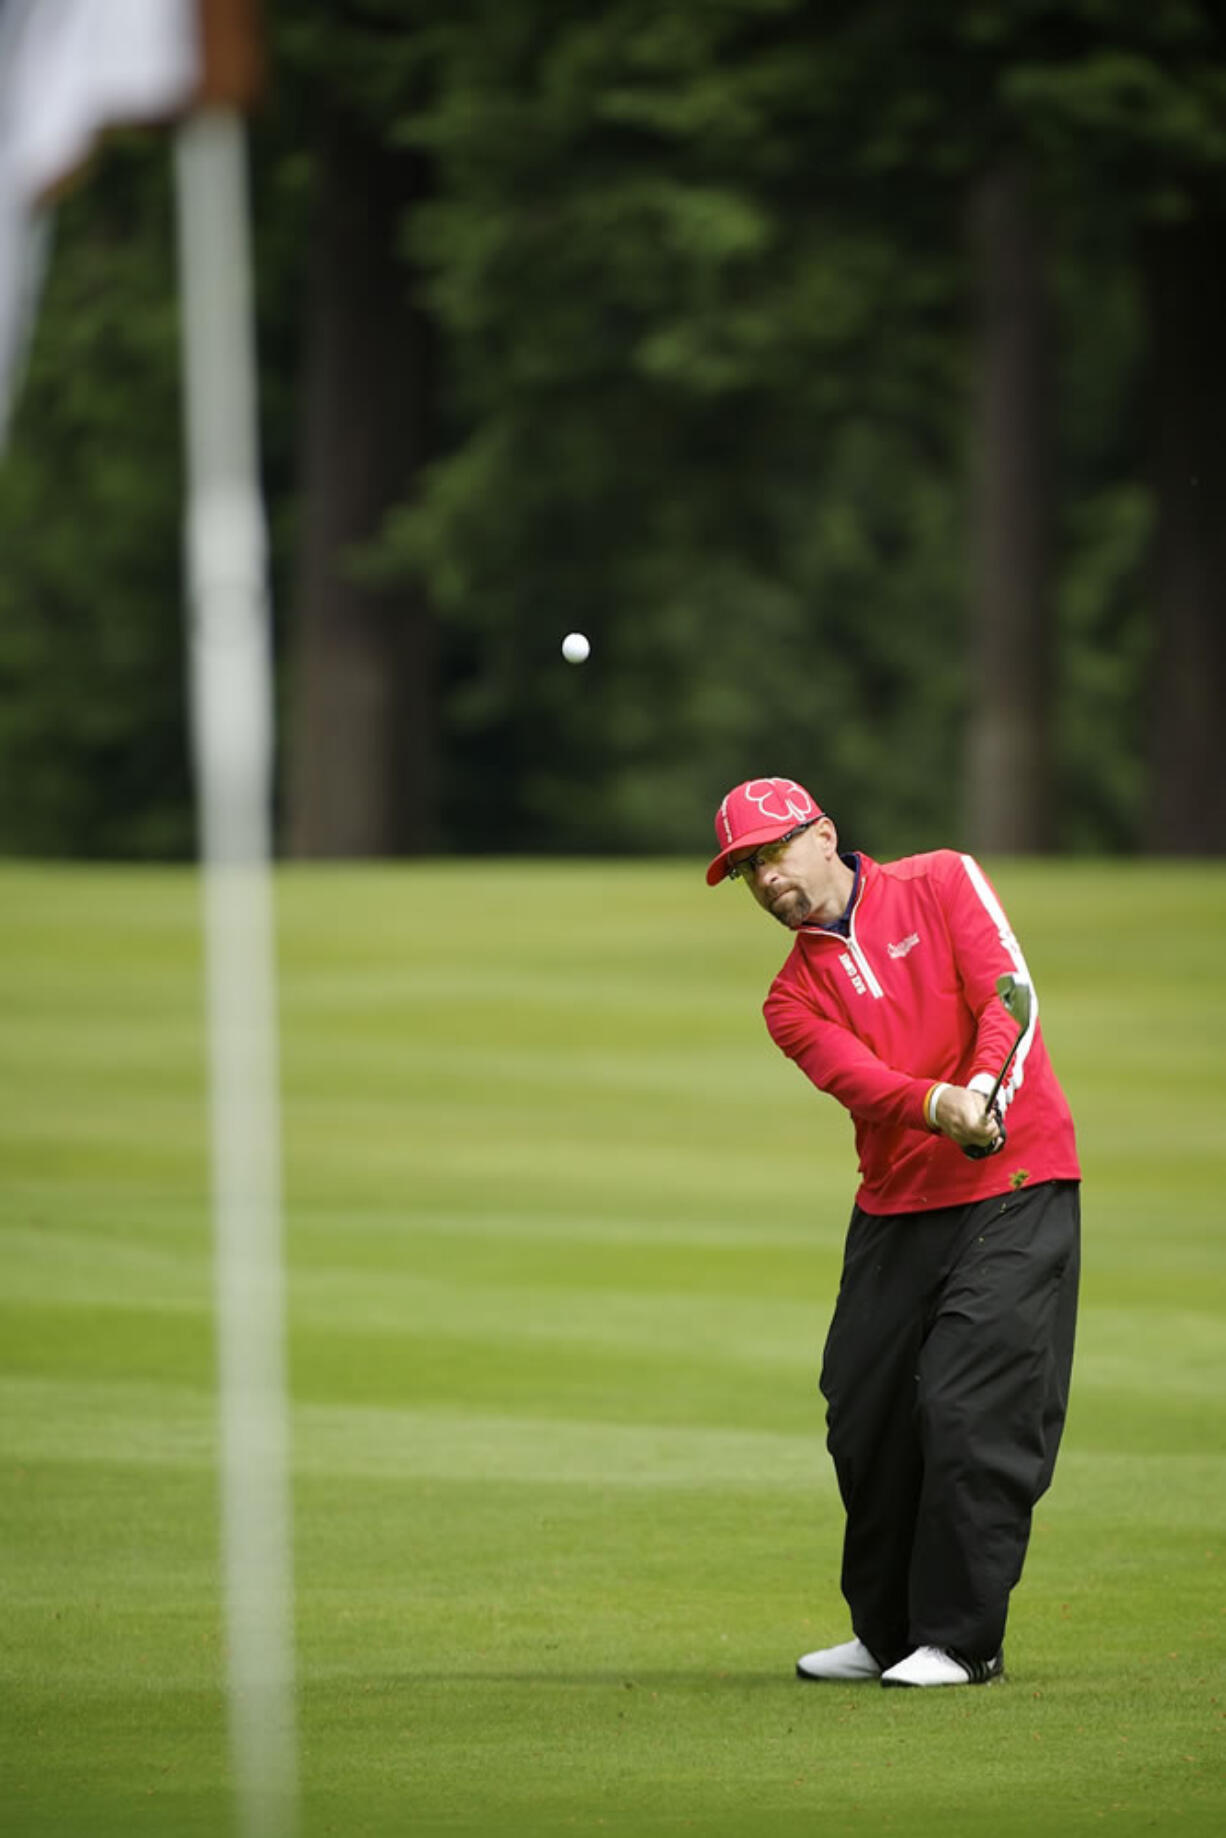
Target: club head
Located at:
point(1016, 997)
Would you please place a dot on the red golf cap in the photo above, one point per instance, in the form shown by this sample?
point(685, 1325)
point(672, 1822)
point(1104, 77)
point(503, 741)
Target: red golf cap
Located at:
point(760, 810)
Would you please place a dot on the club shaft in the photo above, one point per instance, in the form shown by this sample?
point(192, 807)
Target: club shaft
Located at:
point(1000, 1076)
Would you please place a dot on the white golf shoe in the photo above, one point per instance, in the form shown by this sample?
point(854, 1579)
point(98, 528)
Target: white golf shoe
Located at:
point(839, 1665)
point(929, 1666)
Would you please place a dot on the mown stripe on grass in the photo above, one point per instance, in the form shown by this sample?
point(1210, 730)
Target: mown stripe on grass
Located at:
point(1119, 1349)
point(1163, 1352)
point(160, 1425)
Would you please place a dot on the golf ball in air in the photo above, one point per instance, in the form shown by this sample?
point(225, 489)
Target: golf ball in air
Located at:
point(575, 648)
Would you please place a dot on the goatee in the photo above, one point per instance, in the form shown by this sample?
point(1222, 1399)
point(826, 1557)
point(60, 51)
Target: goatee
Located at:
point(793, 910)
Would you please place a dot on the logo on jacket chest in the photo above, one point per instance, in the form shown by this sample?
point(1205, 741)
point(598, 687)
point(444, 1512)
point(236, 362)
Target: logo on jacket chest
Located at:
point(904, 945)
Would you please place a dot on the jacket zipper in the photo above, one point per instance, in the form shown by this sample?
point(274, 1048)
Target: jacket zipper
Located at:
point(861, 962)
point(864, 968)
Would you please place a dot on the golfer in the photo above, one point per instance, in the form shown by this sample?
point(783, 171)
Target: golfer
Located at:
point(946, 1369)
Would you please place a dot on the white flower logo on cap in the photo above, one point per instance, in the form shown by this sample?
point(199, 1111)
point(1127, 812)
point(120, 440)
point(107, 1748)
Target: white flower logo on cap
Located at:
point(780, 799)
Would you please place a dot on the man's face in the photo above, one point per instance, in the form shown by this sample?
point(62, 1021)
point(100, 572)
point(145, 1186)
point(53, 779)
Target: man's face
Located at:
point(797, 878)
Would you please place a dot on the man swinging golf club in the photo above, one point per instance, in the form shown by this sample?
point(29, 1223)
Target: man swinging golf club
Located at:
point(946, 1369)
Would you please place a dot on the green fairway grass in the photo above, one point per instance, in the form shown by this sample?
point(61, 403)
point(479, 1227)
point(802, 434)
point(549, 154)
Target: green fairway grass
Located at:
point(564, 1231)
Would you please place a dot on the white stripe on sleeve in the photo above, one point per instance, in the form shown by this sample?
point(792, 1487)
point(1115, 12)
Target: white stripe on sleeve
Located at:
point(995, 912)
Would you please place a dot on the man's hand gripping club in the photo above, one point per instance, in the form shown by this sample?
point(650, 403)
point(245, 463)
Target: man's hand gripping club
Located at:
point(960, 1114)
point(968, 1118)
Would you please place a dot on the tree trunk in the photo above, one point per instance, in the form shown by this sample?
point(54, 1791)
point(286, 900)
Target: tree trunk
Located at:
point(1185, 270)
point(360, 778)
point(1010, 641)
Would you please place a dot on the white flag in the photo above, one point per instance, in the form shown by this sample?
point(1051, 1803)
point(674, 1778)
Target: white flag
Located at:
point(69, 69)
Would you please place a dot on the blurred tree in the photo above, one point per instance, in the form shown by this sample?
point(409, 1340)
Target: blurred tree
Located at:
point(1009, 731)
point(360, 737)
point(360, 732)
point(93, 748)
point(1185, 274)
point(1135, 107)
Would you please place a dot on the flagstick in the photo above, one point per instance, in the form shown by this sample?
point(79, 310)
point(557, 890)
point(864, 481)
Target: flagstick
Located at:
point(231, 680)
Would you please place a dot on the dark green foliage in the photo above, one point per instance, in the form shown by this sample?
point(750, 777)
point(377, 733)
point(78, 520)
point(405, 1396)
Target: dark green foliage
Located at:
point(710, 415)
point(93, 748)
point(698, 274)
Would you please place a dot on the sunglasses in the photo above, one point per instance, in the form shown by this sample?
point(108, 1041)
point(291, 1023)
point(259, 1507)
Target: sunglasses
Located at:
point(769, 852)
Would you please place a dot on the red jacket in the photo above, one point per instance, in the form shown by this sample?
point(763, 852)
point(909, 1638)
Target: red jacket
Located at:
point(910, 998)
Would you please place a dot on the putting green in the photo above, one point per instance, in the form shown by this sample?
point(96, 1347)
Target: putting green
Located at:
point(563, 1233)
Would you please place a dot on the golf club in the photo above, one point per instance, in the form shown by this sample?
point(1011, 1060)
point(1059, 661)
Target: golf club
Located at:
point(1016, 997)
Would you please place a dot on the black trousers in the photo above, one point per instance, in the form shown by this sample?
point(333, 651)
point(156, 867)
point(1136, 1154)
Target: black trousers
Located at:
point(946, 1376)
